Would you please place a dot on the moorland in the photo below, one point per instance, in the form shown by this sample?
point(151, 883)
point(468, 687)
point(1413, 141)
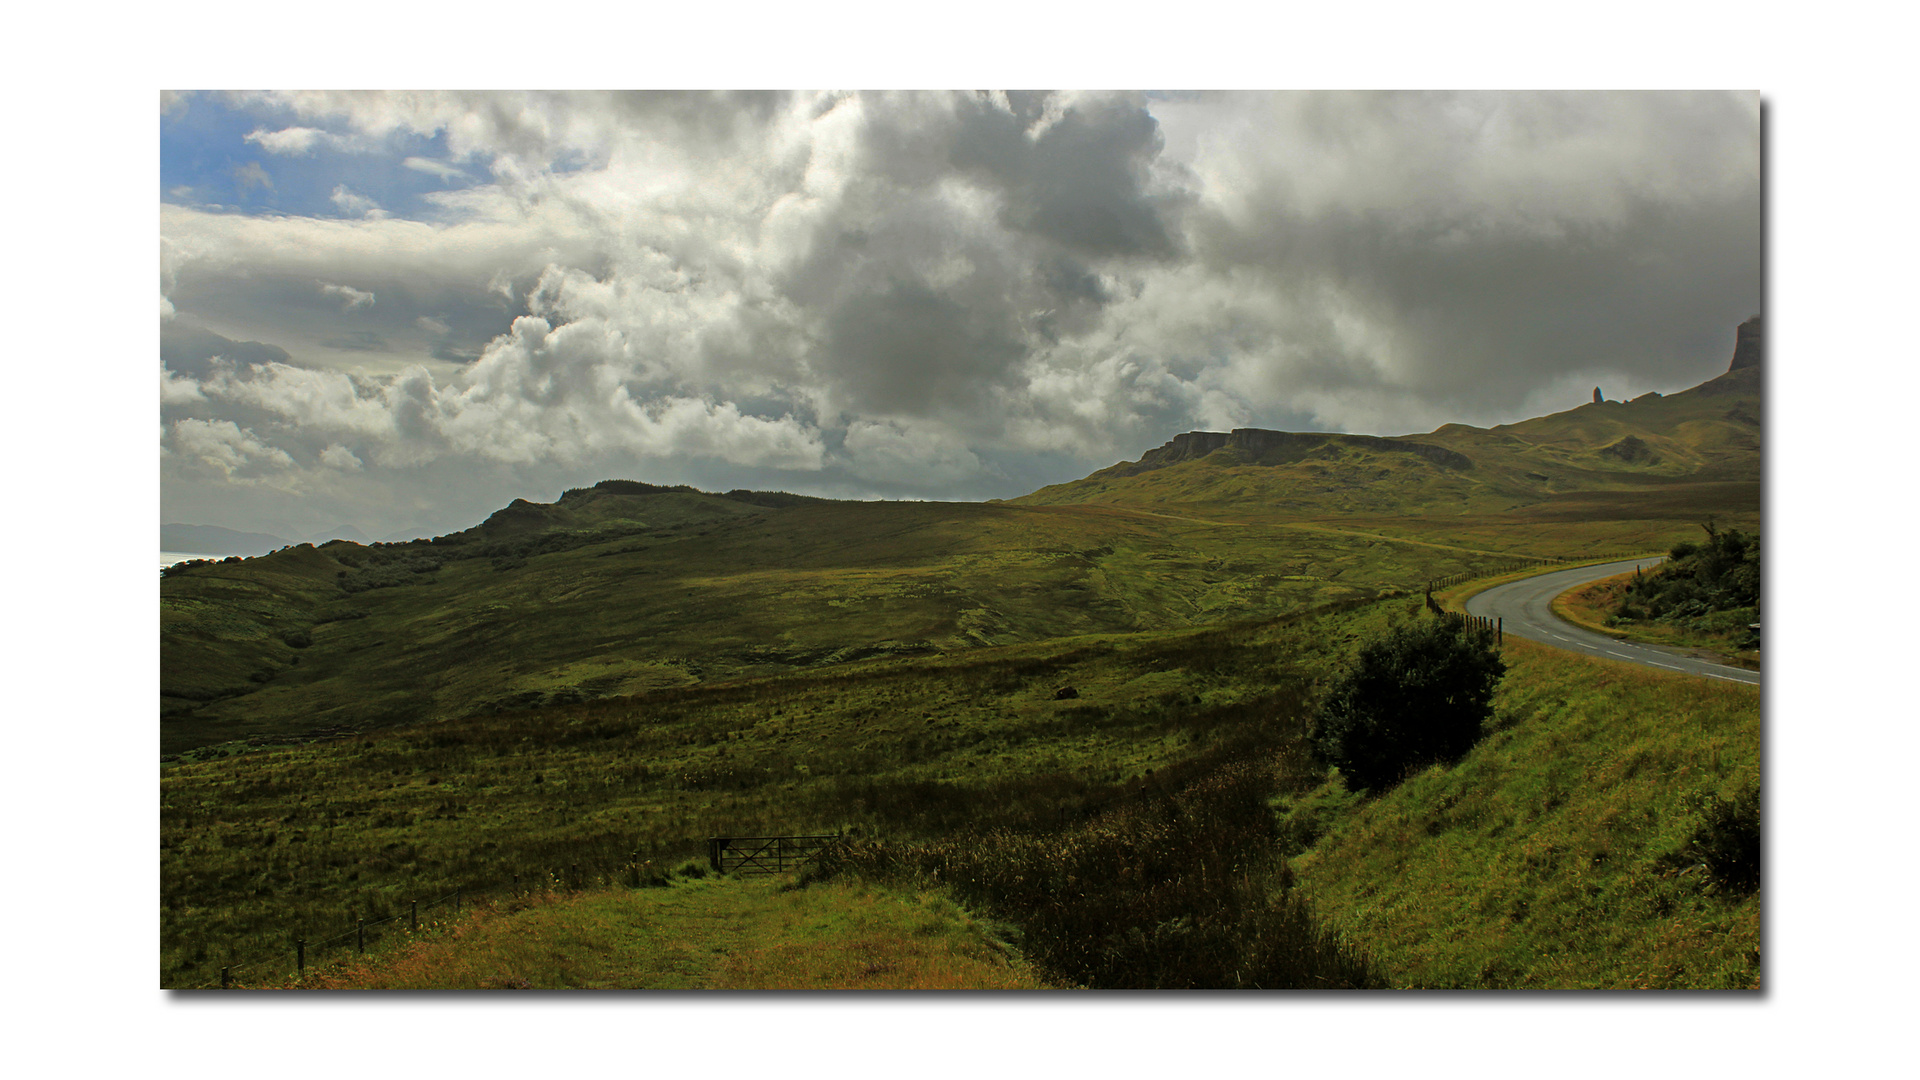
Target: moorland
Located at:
point(1069, 731)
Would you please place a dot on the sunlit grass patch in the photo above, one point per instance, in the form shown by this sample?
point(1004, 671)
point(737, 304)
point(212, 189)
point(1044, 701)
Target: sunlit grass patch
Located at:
point(714, 934)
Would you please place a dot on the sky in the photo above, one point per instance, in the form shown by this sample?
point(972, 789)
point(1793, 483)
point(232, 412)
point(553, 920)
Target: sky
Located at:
point(400, 311)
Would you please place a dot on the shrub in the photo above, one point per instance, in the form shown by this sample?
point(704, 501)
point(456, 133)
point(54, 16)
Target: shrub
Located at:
point(1417, 696)
point(1727, 840)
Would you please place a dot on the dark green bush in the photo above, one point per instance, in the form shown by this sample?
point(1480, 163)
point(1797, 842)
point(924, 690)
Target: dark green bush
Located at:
point(1698, 581)
point(1727, 840)
point(1417, 696)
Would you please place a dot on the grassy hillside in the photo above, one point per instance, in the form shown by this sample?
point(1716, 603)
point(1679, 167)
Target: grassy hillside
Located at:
point(1600, 461)
point(1556, 854)
point(1541, 859)
point(537, 608)
point(260, 847)
point(697, 934)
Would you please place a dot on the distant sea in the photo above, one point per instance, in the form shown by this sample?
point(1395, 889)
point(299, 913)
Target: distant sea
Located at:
point(168, 558)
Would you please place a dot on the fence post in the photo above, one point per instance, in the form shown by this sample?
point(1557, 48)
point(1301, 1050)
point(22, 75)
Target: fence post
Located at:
point(413, 915)
point(360, 935)
point(300, 954)
point(1500, 630)
point(226, 977)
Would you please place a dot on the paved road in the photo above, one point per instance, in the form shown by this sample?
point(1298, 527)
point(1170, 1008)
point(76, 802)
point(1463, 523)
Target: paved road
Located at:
point(1526, 606)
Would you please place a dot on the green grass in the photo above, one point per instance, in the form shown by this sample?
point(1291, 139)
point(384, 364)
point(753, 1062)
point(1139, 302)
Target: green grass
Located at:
point(770, 592)
point(302, 840)
point(712, 934)
point(1546, 858)
point(1591, 759)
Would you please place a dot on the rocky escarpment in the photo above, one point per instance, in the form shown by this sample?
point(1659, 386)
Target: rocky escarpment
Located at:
point(1257, 446)
point(1747, 348)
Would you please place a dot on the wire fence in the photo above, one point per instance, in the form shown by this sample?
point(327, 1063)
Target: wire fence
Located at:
point(1515, 563)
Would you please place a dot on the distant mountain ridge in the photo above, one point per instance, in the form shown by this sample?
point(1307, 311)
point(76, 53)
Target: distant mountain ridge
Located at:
point(214, 540)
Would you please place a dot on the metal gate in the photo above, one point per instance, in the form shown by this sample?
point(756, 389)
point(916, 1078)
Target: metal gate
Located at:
point(763, 854)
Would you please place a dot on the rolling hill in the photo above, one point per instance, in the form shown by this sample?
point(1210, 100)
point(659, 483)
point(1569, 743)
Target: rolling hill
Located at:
point(627, 587)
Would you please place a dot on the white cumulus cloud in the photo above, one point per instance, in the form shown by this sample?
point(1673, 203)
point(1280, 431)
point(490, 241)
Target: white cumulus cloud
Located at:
point(224, 446)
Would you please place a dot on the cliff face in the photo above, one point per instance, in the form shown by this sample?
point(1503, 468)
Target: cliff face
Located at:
point(1193, 444)
point(1747, 348)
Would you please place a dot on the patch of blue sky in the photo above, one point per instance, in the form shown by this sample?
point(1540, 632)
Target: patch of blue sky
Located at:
point(207, 160)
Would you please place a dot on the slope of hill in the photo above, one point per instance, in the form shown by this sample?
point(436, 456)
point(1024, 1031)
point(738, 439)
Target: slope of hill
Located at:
point(1709, 435)
point(604, 594)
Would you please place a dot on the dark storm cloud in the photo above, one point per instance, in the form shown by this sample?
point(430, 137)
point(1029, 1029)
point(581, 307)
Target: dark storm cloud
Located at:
point(1083, 183)
point(904, 349)
point(970, 229)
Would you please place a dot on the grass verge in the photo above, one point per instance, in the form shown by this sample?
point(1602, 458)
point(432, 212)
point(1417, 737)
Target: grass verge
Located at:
point(711, 934)
point(1592, 607)
point(1555, 854)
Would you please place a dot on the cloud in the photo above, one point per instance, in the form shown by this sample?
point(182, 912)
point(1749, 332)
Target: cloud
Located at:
point(296, 141)
point(356, 341)
point(175, 390)
point(907, 456)
point(354, 297)
point(336, 456)
point(304, 141)
point(539, 395)
point(352, 202)
point(189, 349)
point(224, 446)
point(435, 168)
point(249, 176)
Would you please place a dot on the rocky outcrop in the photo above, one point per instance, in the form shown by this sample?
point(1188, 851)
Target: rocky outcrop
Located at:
point(1597, 399)
point(1193, 444)
point(1747, 348)
point(1631, 450)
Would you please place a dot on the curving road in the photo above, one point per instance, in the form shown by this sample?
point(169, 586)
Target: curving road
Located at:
point(1526, 607)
